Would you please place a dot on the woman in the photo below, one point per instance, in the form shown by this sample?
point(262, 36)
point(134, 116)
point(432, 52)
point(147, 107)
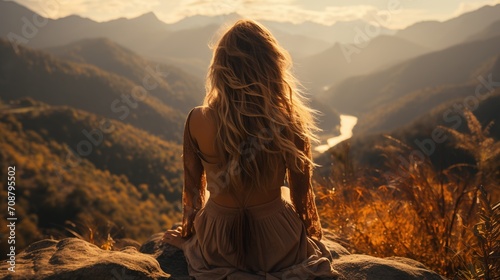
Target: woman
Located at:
point(252, 132)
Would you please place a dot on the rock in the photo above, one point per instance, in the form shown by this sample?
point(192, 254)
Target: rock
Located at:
point(363, 267)
point(337, 250)
point(126, 242)
point(170, 258)
point(73, 258)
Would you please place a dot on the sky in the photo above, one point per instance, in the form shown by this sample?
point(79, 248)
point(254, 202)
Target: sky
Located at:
point(394, 14)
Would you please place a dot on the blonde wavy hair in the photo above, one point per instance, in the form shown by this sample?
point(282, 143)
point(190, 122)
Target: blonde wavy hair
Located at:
point(257, 105)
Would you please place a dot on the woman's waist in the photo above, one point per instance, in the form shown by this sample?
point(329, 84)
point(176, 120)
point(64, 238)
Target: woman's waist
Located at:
point(248, 199)
point(258, 211)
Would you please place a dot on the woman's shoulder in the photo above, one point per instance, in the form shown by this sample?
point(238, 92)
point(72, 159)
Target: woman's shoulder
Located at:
point(202, 111)
point(201, 115)
point(201, 121)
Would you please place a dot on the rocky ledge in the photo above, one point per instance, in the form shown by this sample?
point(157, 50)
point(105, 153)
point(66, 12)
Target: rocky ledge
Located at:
point(73, 258)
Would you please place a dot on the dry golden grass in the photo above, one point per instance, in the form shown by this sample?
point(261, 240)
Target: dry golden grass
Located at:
point(485, 262)
point(94, 232)
point(448, 219)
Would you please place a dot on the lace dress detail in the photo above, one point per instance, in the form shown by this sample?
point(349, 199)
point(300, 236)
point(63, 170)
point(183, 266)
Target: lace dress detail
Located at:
point(302, 193)
point(193, 193)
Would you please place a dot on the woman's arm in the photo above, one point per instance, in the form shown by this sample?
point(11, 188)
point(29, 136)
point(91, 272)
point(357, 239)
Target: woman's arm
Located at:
point(302, 193)
point(193, 194)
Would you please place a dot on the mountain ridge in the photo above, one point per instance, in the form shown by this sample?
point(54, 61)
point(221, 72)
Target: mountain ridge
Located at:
point(31, 73)
point(353, 60)
point(176, 88)
point(448, 66)
point(439, 35)
point(112, 189)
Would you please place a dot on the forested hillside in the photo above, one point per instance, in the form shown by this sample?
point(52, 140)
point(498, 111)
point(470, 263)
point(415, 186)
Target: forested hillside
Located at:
point(128, 183)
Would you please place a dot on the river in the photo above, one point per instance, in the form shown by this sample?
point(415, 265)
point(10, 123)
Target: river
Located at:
point(347, 123)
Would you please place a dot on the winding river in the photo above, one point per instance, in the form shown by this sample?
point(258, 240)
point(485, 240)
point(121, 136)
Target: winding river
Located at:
point(347, 123)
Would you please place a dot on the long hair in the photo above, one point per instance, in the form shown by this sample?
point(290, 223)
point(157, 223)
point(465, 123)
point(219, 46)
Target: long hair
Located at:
point(257, 105)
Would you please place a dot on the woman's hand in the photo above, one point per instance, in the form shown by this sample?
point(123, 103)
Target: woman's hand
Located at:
point(174, 238)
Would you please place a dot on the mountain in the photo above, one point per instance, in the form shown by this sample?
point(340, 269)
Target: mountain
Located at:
point(126, 186)
point(198, 56)
point(175, 87)
point(191, 48)
point(328, 120)
point(438, 35)
point(340, 32)
point(492, 30)
point(11, 18)
point(18, 22)
point(456, 65)
point(422, 130)
point(342, 61)
point(137, 24)
point(183, 43)
point(301, 39)
point(486, 111)
point(137, 33)
point(178, 89)
point(373, 152)
point(409, 108)
point(299, 45)
point(187, 48)
point(30, 73)
point(122, 149)
point(199, 21)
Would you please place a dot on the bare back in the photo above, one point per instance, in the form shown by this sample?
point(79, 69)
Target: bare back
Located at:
point(203, 131)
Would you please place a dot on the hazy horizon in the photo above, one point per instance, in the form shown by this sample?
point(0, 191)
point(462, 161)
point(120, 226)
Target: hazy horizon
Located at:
point(394, 14)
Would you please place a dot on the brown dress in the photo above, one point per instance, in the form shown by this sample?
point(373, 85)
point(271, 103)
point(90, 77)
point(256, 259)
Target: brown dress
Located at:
point(285, 236)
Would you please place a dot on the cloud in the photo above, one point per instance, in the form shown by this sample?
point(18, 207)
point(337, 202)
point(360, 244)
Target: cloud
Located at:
point(287, 10)
point(296, 14)
point(408, 17)
point(465, 7)
point(278, 10)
